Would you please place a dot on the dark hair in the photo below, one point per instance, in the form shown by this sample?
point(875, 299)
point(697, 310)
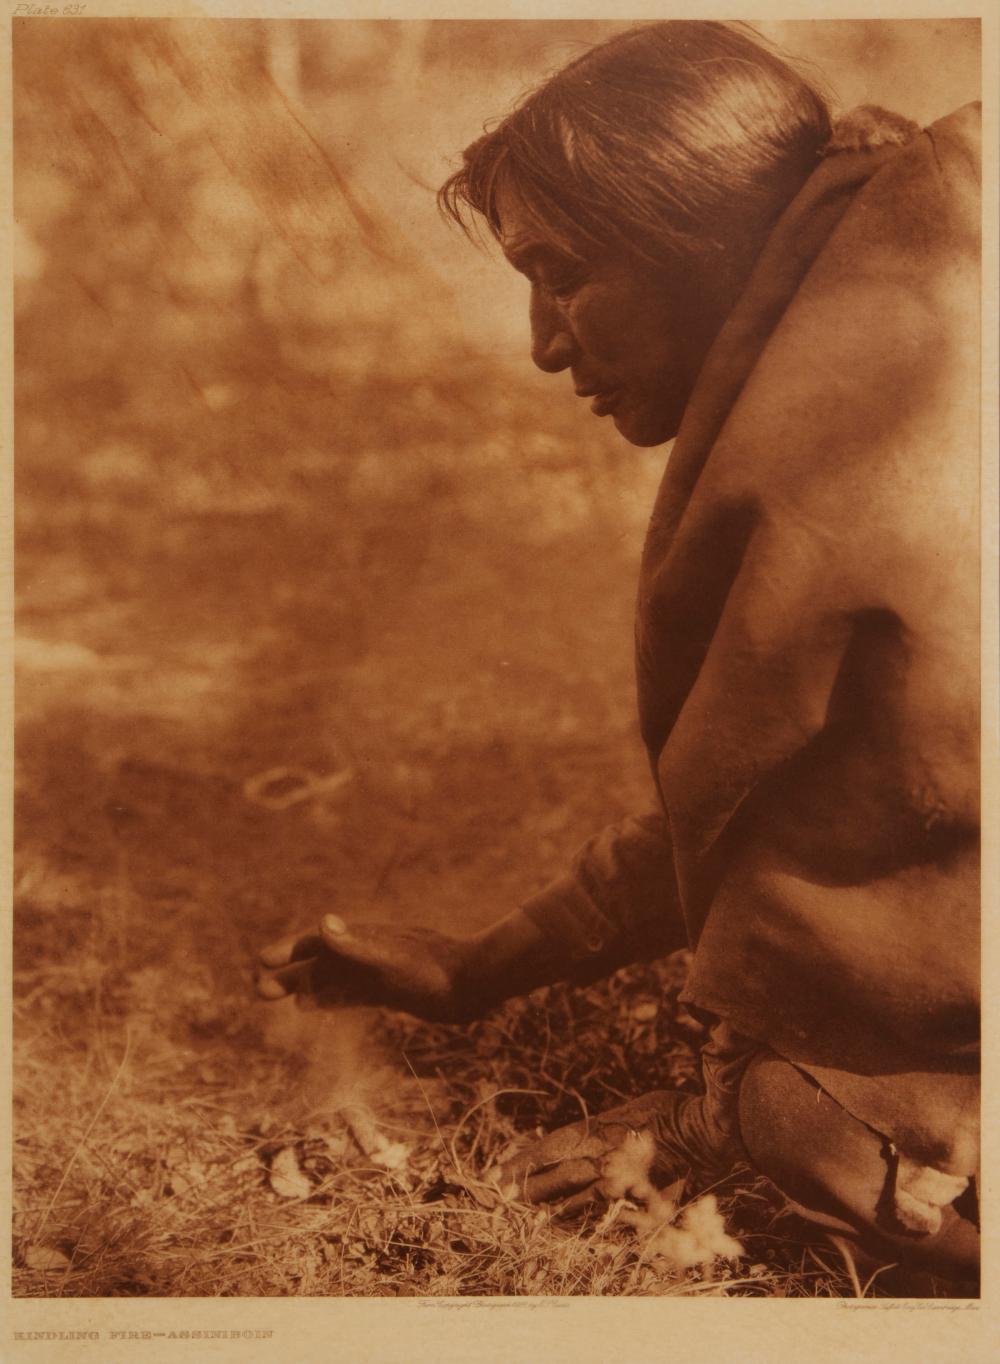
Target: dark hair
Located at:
point(678, 142)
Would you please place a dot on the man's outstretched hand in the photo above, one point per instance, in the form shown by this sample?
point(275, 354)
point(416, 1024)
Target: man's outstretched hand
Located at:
point(398, 967)
point(430, 974)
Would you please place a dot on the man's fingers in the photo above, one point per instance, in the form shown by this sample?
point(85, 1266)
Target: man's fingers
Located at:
point(321, 980)
point(362, 946)
point(332, 927)
point(592, 1199)
point(558, 1165)
point(359, 964)
point(568, 1177)
point(575, 1142)
point(276, 953)
point(268, 987)
point(293, 948)
point(297, 978)
point(570, 1163)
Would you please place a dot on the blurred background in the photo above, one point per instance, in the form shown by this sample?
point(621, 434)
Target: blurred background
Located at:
point(323, 594)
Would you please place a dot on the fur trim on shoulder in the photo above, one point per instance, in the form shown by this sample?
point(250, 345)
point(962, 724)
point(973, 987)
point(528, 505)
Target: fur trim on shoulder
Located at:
point(867, 128)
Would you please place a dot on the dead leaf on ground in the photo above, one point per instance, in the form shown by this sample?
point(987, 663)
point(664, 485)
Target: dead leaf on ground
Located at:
point(391, 1155)
point(645, 1010)
point(287, 1179)
point(45, 1257)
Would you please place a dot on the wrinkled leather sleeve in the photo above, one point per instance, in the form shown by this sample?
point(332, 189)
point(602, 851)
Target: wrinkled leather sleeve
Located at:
point(617, 904)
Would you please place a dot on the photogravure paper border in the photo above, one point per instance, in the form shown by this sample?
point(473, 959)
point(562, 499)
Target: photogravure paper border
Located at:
point(554, 1330)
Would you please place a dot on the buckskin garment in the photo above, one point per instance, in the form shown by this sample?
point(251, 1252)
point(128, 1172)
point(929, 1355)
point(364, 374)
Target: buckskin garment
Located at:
point(808, 659)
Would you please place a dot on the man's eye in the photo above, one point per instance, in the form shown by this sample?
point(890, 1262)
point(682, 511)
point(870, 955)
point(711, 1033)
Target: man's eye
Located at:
point(562, 279)
point(565, 281)
point(565, 286)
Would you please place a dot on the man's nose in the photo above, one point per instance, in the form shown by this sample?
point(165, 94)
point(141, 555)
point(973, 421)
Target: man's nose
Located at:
point(552, 344)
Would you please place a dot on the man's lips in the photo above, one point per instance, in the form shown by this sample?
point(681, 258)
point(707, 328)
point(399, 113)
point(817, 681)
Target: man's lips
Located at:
point(605, 399)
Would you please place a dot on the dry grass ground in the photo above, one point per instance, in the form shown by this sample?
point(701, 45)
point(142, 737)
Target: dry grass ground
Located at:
point(234, 1167)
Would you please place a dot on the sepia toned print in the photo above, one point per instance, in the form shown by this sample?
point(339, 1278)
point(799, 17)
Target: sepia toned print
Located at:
point(328, 664)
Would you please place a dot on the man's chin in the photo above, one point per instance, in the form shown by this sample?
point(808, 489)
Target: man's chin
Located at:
point(644, 432)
